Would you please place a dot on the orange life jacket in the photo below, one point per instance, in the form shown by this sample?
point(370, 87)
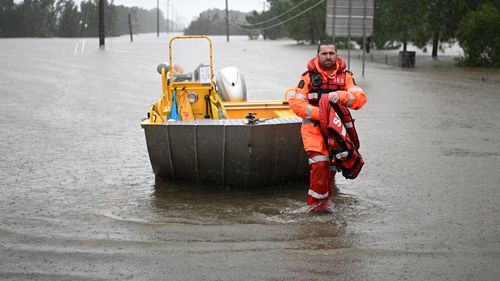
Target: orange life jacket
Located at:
point(317, 87)
point(342, 150)
point(350, 96)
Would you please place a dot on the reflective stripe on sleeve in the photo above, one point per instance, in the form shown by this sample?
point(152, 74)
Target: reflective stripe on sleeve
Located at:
point(317, 195)
point(308, 111)
point(300, 96)
point(348, 125)
point(307, 121)
point(318, 158)
point(350, 101)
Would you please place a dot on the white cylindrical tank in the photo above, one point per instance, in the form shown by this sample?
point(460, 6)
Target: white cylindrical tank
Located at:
point(231, 85)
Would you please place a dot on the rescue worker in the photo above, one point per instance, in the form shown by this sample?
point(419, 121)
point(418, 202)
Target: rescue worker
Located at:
point(326, 75)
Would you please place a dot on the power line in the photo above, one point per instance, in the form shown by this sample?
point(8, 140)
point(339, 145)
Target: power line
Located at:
point(273, 18)
point(279, 23)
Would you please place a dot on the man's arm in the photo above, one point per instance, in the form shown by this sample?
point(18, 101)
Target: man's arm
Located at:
point(298, 101)
point(353, 98)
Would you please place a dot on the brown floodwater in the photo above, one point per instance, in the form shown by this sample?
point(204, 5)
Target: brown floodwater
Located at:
point(79, 201)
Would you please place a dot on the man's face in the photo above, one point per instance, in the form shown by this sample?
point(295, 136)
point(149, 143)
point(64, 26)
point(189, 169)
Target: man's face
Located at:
point(327, 56)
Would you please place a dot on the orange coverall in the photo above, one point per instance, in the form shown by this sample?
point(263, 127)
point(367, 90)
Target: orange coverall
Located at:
point(322, 175)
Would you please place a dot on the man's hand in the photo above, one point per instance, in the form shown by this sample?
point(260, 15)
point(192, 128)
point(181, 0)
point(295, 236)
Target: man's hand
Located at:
point(333, 97)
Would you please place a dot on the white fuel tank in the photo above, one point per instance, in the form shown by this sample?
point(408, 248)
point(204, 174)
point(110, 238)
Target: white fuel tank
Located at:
point(231, 85)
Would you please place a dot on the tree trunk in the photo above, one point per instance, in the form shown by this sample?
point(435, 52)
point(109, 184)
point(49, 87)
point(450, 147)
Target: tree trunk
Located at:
point(368, 43)
point(435, 43)
point(404, 46)
point(311, 32)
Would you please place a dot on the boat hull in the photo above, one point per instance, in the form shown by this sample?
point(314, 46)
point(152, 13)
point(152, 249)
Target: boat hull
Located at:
point(228, 152)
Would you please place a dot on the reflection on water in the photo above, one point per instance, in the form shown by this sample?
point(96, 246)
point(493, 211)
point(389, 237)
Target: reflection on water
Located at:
point(188, 203)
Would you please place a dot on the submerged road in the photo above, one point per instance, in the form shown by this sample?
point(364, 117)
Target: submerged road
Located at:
point(78, 200)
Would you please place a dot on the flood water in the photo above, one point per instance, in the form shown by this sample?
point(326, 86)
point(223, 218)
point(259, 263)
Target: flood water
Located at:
point(79, 201)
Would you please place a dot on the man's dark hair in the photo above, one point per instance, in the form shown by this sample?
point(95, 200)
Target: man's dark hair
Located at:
point(324, 43)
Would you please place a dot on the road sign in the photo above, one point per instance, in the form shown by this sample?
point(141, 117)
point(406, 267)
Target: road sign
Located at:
point(342, 14)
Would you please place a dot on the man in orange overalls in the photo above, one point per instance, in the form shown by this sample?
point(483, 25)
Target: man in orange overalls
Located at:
point(326, 75)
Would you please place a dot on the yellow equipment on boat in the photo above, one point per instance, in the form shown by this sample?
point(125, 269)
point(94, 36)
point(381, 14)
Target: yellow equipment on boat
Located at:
point(204, 100)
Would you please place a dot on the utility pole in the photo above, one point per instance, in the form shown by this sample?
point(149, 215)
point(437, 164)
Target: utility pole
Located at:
point(173, 18)
point(157, 18)
point(168, 23)
point(101, 24)
point(130, 27)
point(227, 23)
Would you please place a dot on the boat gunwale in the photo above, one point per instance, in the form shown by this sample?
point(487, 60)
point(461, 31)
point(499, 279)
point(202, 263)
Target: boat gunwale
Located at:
point(226, 122)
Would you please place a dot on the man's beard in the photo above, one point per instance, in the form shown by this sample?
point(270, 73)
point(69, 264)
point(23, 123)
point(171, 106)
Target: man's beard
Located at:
point(330, 64)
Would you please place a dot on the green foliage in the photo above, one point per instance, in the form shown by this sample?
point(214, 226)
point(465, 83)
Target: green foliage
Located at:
point(479, 37)
point(7, 18)
point(29, 18)
point(437, 21)
point(418, 22)
point(69, 18)
point(309, 26)
point(441, 19)
point(283, 20)
point(262, 21)
point(256, 20)
point(396, 20)
point(44, 18)
point(213, 22)
point(474, 23)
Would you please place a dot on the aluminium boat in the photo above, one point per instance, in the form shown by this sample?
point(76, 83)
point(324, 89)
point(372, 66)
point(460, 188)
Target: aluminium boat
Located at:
point(205, 131)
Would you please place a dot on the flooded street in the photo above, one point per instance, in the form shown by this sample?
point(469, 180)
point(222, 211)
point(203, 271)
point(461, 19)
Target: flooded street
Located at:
point(79, 201)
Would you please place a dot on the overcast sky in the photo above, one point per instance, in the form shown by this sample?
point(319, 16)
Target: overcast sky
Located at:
point(186, 10)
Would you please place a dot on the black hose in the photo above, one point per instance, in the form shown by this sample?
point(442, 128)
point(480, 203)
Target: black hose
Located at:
point(207, 106)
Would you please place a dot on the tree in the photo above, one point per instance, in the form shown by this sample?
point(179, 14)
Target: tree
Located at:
point(260, 22)
point(480, 50)
point(42, 18)
point(397, 20)
point(117, 19)
point(69, 23)
point(310, 25)
point(47, 18)
point(441, 19)
point(90, 18)
point(37, 18)
point(304, 22)
point(213, 22)
point(7, 18)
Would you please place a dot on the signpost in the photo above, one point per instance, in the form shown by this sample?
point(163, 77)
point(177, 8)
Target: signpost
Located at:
point(350, 19)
